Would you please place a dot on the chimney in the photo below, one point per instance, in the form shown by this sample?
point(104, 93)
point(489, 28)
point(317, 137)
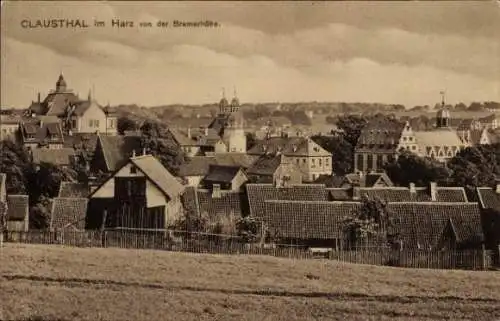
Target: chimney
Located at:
point(133, 153)
point(216, 193)
point(38, 97)
point(206, 131)
point(433, 191)
point(189, 132)
point(498, 188)
point(144, 151)
point(413, 190)
point(356, 194)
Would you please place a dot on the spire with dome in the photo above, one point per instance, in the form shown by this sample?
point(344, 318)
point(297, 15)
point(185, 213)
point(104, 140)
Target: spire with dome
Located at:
point(223, 104)
point(443, 116)
point(235, 102)
point(61, 83)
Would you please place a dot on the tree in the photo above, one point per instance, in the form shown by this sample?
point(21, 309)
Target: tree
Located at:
point(372, 223)
point(250, 140)
point(158, 140)
point(351, 127)
point(475, 106)
point(342, 152)
point(248, 228)
point(45, 181)
point(476, 166)
point(125, 124)
point(460, 107)
point(410, 168)
point(16, 164)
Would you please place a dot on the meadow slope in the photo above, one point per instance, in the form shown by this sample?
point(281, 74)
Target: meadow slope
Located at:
point(115, 284)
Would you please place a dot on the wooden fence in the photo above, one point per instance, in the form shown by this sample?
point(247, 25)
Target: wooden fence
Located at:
point(182, 241)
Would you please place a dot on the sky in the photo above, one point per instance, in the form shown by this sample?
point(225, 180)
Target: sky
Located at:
point(386, 52)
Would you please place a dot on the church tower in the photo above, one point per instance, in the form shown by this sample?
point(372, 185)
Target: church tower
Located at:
point(224, 107)
point(61, 84)
point(234, 134)
point(443, 116)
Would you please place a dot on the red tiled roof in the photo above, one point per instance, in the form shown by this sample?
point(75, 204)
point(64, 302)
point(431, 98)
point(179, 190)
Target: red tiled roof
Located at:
point(289, 146)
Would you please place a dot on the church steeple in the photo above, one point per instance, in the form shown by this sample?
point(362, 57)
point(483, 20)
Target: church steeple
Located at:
point(223, 103)
point(443, 116)
point(61, 84)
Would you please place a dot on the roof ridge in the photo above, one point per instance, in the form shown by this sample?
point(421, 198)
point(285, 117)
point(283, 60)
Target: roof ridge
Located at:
point(17, 195)
point(436, 203)
point(71, 198)
point(312, 202)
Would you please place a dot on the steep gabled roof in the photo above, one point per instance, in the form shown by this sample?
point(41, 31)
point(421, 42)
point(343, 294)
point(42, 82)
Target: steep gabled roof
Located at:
point(380, 134)
point(68, 213)
point(159, 175)
point(17, 207)
point(118, 149)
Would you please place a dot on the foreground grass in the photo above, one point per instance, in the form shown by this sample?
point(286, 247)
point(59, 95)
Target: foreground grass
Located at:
point(114, 284)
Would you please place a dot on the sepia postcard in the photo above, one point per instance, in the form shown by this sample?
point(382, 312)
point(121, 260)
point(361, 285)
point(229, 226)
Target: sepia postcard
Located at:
point(240, 160)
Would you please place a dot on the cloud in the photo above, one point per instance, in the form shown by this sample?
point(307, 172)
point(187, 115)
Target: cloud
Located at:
point(334, 60)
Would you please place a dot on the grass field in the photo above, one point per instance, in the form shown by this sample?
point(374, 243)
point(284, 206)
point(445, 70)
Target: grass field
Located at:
point(53, 282)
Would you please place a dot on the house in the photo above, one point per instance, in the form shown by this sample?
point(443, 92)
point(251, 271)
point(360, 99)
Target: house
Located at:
point(63, 157)
point(204, 202)
point(491, 122)
point(308, 156)
point(422, 226)
point(112, 152)
point(139, 194)
point(76, 115)
point(380, 142)
point(199, 141)
point(68, 213)
point(273, 168)
point(9, 125)
point(437, 226)
point(73, 190)
point(225, 177)
point(17, 214)
point(197, 167)
point(41, 134)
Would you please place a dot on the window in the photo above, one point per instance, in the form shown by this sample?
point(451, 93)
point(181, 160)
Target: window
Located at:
point(327, 161)
point(303, 161)
point(133, 169)
point(414, 147)
point(410, 139)
point(73, 123)
point(298, 161)
point(320, 162)
point(93, 122)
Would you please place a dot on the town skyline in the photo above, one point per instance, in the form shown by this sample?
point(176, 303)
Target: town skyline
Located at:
point(336, 52)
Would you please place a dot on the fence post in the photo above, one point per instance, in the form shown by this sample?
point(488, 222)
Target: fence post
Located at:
point(103, 227)
point(483, 251)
